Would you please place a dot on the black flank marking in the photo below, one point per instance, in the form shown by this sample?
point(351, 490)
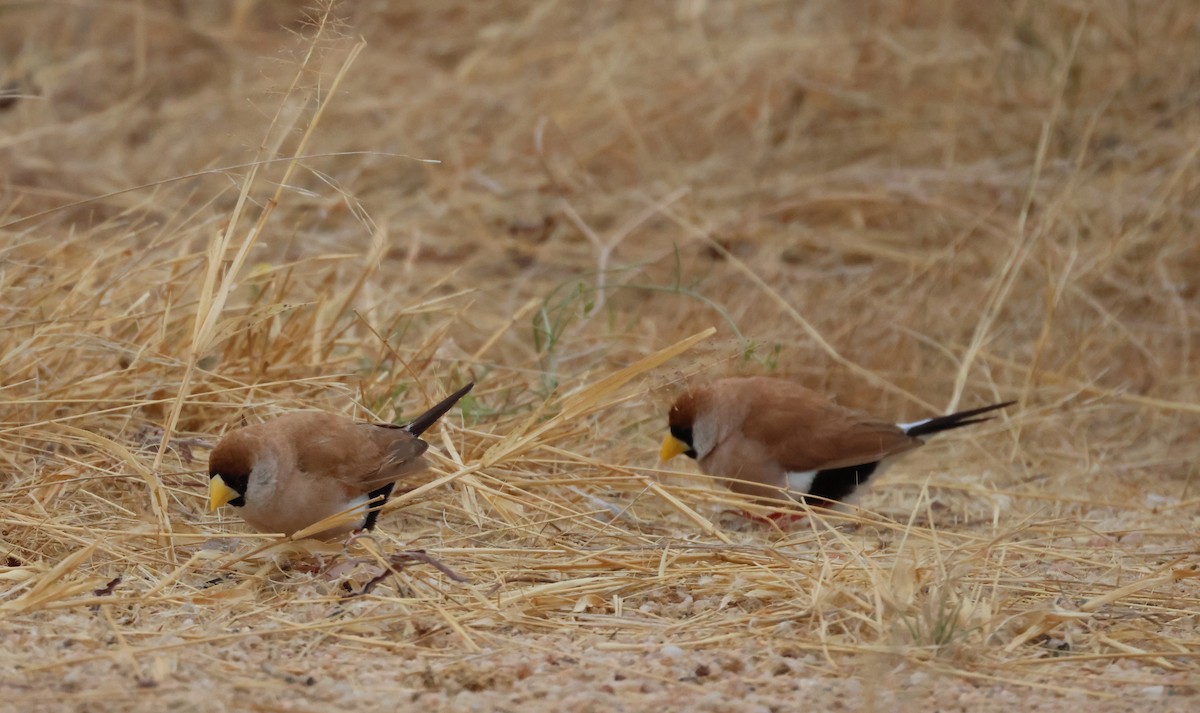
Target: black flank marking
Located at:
point(954, 420)
point(373, 514)
point(837, 483)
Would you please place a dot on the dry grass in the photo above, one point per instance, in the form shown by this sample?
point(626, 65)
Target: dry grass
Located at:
point(215, 211)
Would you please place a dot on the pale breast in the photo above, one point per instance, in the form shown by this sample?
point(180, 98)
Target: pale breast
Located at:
point(290, 509)
point(747, 468)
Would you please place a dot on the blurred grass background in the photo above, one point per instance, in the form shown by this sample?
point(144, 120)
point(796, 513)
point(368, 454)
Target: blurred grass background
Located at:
point(216, 211)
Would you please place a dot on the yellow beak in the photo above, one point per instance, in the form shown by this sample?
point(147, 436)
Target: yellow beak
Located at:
point(219, 493)
point(671, 447)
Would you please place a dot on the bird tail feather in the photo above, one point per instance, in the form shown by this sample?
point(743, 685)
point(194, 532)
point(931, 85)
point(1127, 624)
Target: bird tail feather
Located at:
point(955, 420)
point(422, 423)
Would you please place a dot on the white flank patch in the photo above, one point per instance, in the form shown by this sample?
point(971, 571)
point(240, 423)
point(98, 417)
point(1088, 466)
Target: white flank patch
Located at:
point(359, 505)
point(905, 426)
point(800, 481)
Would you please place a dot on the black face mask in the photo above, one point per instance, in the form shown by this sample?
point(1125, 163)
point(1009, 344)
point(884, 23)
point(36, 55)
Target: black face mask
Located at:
point(684, 434)
point(237, 483)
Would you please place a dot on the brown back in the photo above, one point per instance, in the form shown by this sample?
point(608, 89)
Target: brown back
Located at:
point(803, 430)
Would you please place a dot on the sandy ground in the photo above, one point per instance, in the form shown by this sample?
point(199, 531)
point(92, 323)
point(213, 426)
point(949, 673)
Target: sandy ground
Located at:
point(914, 206)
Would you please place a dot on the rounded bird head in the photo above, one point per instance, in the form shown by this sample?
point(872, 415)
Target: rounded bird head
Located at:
point(229, 469)
point(681, 420)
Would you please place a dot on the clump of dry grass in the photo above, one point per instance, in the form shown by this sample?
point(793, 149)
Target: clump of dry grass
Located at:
point(210, 219)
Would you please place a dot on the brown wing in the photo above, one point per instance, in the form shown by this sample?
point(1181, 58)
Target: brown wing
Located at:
point(362, 456)
point(806, 431)
point(402, 453)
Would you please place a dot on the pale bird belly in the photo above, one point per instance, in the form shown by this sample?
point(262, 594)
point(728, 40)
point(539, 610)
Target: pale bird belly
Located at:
point(799, 482)
point(291, 512)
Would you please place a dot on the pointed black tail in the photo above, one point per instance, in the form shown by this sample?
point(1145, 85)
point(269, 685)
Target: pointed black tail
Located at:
point(422, 423)
point(954, 420)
